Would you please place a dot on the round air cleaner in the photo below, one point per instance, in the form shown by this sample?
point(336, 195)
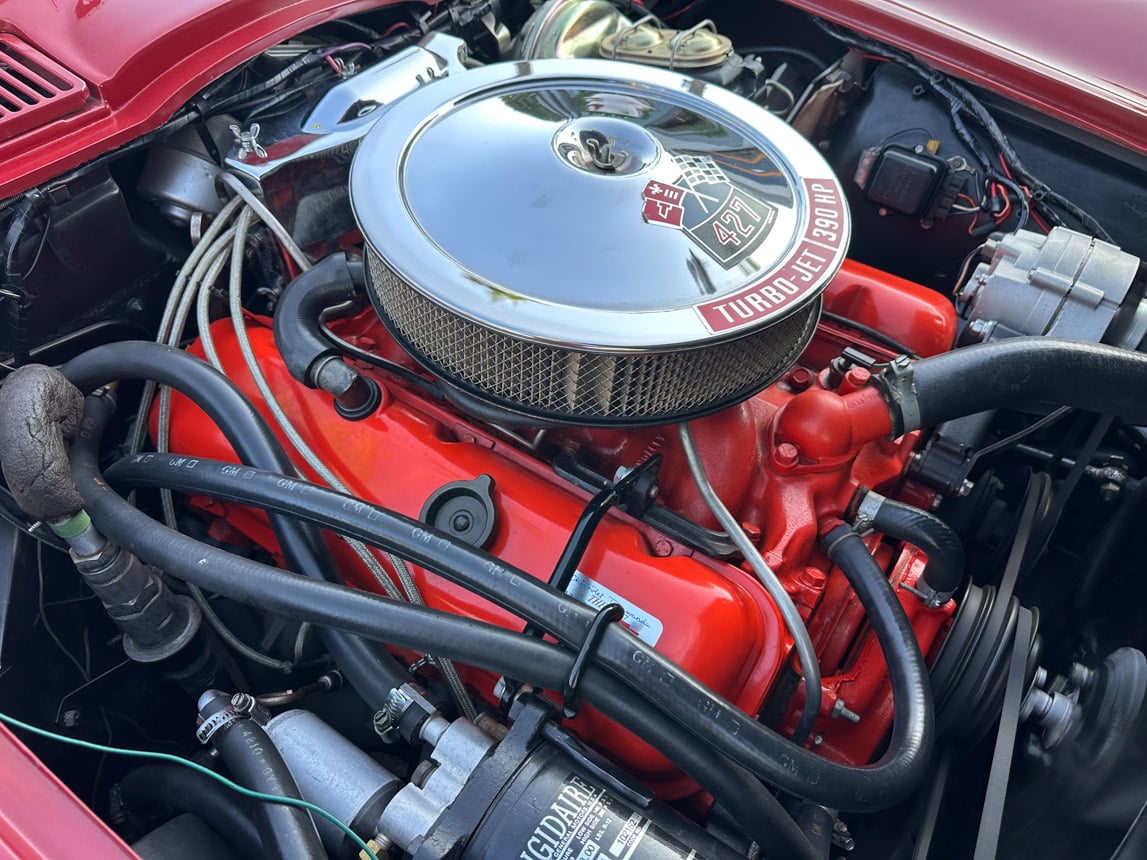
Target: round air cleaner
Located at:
point(595, 242)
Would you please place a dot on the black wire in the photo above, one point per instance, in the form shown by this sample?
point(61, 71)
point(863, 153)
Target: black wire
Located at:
point(1021, 199)
point(962, 100)
point(878, 336)
point(1008, 441)
point(391, 367)
point(182, 120)
point(241, 98)
point(14, 280)
point(785, 50)
point(360, 29)
point(11, 513)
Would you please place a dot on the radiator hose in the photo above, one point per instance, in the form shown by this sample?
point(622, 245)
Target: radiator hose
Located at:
point(945, 569)
point(1016, 370)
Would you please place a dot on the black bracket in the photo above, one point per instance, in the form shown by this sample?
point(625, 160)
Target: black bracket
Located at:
point(638, 481)
point(571, 693)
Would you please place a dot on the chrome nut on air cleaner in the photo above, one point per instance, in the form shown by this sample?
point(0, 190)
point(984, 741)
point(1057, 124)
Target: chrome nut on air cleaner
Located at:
point(592, 242)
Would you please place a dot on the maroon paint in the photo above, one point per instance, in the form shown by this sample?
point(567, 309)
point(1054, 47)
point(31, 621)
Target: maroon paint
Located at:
point(41, 818)
point(1081, 63)
point(142, 61)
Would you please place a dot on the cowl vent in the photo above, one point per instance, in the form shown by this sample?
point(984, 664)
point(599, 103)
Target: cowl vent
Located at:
point(34, 89)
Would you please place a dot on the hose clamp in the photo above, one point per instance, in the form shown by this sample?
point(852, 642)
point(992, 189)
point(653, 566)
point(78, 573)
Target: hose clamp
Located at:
point(214, 724)
point(931, 598)
point(865, 518)
point(898, 385)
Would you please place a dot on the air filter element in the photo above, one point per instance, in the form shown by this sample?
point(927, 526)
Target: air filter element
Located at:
point(594, 242)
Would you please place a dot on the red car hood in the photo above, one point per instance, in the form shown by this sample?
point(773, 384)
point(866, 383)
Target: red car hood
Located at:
point(141, 60)
point(1079, 62)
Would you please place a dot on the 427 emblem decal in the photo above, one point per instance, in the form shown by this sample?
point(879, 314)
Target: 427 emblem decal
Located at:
point(723, 219)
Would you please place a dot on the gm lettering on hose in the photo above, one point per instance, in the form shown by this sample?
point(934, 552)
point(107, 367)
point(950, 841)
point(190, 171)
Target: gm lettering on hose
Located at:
point(817, 255)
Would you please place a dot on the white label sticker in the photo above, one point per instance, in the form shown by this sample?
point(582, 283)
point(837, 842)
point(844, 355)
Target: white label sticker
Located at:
point(645, 626)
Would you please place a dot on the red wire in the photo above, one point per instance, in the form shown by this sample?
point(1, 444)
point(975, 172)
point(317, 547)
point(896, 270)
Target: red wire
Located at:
point(864, 56)
point(1007, 204)
point(672, 15)
point(1027, 193)
point(394, 28)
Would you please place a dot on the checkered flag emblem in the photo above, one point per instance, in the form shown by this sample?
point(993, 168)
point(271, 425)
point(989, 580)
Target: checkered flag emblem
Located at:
point(727, 221)
point(699, 170)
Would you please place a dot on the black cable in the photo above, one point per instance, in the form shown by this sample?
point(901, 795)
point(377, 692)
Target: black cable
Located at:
point(186, 118)
point(871, 333)
point(371, 670)
point(14, 280)
point(662, 683)
point(238, 99)
point(962, 100)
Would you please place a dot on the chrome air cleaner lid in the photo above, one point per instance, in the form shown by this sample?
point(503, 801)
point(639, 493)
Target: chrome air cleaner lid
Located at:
point(554, 210)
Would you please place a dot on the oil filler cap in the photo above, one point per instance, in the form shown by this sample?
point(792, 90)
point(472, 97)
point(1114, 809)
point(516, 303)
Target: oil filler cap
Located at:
point(463, 509)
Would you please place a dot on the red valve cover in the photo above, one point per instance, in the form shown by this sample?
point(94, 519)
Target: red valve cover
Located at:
point(784, 462)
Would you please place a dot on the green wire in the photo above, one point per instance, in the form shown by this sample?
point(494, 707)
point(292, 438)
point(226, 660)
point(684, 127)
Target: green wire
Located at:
point(174, 759)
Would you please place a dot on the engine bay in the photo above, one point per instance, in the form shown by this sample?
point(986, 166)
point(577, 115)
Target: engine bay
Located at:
point(582, 429)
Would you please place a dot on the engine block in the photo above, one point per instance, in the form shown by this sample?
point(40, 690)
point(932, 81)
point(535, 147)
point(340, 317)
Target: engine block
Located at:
point(780, 461)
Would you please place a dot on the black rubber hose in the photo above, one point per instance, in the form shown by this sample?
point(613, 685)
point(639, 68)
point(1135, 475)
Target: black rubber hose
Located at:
point(755, 809)
point(299, 333)
point(255, 763)
point(1018, 370)
point(156, 787)
point(371, 671)
point(662, 683)
point(534, 661)
point(945, 551)
point(911, 690)
point(281, 592)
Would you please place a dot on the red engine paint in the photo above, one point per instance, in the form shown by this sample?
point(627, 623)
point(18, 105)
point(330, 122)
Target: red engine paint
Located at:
point(717, 623)
point(784, 461)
